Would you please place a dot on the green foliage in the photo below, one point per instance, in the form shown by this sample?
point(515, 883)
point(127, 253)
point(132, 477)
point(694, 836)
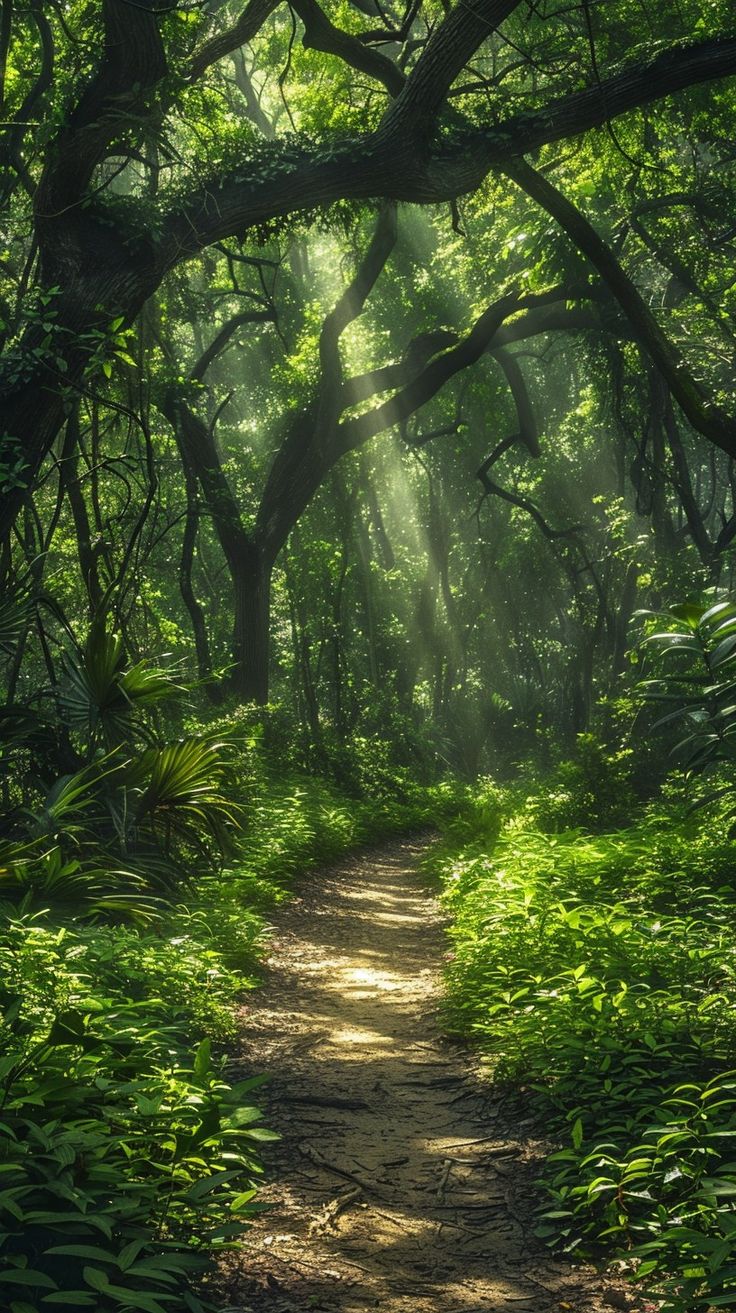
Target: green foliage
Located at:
point(103, 697)
point(693, 683)
point(595, 971)
point(179, 794)
point(478, 817)
point(101, 809)
point(126, 1157)
point(593, 790)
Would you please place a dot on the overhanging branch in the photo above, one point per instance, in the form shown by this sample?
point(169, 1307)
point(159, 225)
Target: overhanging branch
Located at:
point(707, 418)
point(287, 178)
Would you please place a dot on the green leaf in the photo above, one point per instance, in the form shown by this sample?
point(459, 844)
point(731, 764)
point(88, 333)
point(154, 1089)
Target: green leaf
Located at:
point(135, 1299)
point(83, 1251)
point(73, 1298)
point(203, 1058)
point(96, 1278)
point(129, 1253)
point(28, 1276)
point(68, 1028)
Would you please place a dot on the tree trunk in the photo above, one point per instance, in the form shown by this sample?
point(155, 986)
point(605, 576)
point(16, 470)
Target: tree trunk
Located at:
point(70, 477)
point(186, 587)
point(251, 629)
point(249, 566)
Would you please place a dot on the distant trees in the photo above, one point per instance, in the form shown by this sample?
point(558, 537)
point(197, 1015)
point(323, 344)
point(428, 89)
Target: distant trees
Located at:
point(243, 242)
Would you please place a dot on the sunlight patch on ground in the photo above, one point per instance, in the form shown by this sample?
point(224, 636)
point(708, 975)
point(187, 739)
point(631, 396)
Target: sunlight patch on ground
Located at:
point(398, 918)
point(372, 979)
point(369, 894)
point(360, 1035)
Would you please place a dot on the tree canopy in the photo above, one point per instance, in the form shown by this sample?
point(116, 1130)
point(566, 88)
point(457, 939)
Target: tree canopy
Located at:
point(242, 242)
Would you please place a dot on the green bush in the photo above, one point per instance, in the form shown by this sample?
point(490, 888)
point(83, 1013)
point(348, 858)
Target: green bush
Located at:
point(593, 790)
point(478, 814)
point(125, 1157)
point(598, 973)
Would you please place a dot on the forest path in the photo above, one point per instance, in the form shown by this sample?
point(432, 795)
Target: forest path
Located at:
point(400, 1182)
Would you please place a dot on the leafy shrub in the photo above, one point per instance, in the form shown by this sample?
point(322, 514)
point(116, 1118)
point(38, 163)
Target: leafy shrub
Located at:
point(478, 815)
point(102, 808)
point(592, 791)
point(124, 1158)
point(597, 971)
point(691, 682)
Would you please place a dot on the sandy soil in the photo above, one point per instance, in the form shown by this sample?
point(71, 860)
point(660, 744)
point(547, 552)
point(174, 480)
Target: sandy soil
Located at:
point(401, 1182)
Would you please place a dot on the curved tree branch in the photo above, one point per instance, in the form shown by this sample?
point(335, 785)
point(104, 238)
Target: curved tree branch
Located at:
point(221, 339)
point(525, 413)
point(284, 178)
point(467, 25)
point(248, 25)
point(321, 34)
point(707, 418)
point(524, 504)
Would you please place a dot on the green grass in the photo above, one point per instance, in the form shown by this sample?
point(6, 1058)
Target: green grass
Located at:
point(597, 971)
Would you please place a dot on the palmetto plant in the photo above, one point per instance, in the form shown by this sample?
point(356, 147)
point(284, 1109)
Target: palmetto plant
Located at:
point(127, 819)
point(16, 613)
point(104, 700)
point(176, 795)
point(692, 664)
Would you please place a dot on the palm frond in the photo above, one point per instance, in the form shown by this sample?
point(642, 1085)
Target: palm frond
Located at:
point(100, 698)
point(181, 794)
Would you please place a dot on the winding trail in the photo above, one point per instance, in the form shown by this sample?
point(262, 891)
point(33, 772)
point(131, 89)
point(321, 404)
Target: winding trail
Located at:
point(401, 1183)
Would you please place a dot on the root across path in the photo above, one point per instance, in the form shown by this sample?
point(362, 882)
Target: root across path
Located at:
point(400, 1182)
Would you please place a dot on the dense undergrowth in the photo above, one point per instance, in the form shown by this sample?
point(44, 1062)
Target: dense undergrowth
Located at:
point(597, 970)
point(135, 893)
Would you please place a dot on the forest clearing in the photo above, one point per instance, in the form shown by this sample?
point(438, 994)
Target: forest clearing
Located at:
point(367, 649)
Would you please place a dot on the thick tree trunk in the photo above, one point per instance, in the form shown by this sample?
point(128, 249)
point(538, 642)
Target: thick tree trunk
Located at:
point(251, 629)
point(249, 566)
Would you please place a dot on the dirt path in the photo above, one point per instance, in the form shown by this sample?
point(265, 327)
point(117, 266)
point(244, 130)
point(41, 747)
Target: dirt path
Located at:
point(400, 1184)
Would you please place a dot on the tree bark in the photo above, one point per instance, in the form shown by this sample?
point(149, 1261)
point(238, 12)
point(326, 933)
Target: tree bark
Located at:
point(69, 474)
point(186, 586)
point(249, 565)
point(252, 625)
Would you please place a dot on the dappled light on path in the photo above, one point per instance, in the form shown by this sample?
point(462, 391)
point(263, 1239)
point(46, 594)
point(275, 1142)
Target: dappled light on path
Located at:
point(402, 1181)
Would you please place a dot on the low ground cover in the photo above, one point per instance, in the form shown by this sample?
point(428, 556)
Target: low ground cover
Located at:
point(597, 971)
point(127, 1155)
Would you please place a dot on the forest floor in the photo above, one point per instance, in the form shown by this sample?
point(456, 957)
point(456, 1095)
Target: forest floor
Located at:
point(402, 1181)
